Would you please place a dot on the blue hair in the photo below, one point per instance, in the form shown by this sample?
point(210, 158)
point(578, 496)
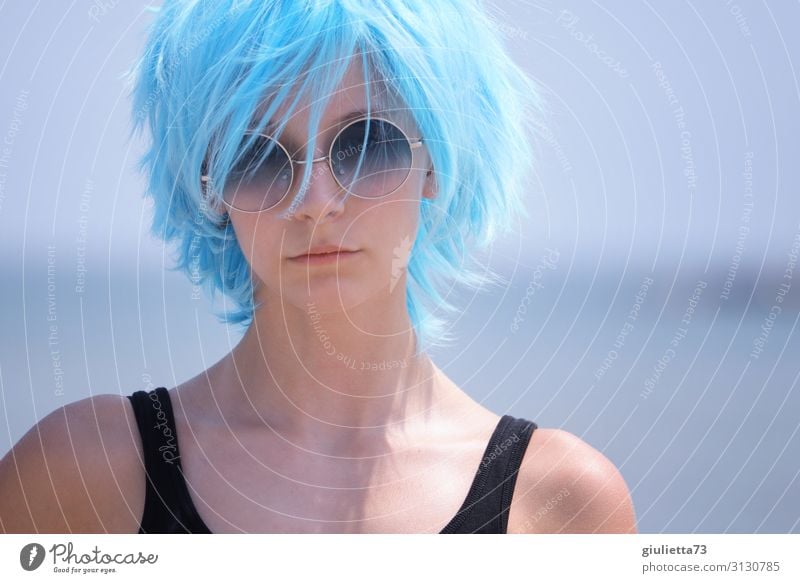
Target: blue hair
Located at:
point(207, 66)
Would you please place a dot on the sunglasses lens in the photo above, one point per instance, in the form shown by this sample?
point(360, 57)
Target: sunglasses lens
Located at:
point(261, 177)
point(371, 158)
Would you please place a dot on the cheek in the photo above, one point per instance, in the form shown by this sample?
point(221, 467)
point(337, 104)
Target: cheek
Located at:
point(386, 219)
point(260, 242)
point(389, 230)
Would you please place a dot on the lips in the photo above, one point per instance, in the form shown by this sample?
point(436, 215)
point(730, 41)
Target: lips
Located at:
point(332, 258)
point(324, 250)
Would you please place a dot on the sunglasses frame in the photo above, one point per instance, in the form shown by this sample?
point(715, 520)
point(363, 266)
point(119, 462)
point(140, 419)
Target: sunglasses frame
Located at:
point(413, 143)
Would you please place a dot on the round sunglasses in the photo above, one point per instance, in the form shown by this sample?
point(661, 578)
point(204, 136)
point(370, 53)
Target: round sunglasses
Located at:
point(370, 157)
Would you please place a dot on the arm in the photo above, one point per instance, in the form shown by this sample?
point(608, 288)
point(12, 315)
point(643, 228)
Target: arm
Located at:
point(566, 486)
point(76, 471)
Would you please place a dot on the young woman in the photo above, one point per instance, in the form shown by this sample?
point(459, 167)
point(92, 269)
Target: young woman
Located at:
point(327, 165)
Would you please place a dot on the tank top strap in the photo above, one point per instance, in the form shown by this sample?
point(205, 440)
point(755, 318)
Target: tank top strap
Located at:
point(167, 506)
point(486, 507)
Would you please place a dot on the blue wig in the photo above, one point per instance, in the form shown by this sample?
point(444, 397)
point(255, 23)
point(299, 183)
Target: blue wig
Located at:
point(204, 74)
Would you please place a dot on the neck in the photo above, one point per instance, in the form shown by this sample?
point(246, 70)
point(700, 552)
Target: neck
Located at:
point(331, 375)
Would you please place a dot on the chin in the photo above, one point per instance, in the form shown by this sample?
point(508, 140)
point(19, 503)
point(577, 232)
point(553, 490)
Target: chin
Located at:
point(327, 294)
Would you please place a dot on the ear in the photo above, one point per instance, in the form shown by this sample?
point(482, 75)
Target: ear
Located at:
point(219, 208)
point(430, 188)
point(214, 203)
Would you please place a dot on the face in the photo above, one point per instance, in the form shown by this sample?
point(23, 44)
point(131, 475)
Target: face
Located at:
point(374, 234)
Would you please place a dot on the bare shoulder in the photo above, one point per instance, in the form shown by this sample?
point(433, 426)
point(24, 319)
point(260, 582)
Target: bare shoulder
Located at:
point(77, 470)
point(565, 485)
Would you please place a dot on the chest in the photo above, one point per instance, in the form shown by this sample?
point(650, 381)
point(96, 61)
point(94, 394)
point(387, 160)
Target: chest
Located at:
point(244, 485)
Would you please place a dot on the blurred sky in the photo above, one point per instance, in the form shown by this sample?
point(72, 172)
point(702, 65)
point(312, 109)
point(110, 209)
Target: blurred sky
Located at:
point(666, 180)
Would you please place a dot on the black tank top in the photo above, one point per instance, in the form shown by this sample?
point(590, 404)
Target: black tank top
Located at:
point(168, 508)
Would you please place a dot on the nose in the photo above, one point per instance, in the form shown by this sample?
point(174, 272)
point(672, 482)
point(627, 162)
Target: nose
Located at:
point(323, 198)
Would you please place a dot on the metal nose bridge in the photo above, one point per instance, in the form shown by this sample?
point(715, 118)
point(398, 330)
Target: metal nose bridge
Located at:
point(314, 161)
